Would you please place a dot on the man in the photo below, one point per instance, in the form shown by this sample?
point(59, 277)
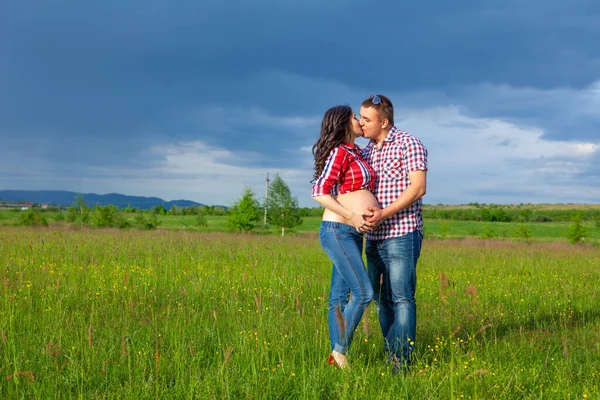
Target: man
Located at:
point(394, 245)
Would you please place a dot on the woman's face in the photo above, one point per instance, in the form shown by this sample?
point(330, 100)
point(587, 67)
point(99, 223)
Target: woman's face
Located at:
point(356, 129)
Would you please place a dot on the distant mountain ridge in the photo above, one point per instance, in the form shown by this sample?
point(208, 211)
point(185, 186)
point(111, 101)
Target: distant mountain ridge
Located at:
point(65, 198)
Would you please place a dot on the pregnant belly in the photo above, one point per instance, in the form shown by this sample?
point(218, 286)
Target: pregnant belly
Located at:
point(357, 202)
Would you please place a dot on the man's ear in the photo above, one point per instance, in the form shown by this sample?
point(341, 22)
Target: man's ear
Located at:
point(384, 123)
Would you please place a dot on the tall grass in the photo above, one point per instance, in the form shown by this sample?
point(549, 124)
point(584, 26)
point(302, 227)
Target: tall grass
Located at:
point(118, 314)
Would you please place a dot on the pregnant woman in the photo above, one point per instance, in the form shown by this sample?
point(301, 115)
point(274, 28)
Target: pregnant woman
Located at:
point(342, 184)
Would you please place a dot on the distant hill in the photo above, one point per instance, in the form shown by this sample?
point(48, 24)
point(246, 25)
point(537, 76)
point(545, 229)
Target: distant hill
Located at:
point(64, 198)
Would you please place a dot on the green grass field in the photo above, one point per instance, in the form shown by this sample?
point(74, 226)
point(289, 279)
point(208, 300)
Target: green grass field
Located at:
point(434, 228)
point(177, 314)
point(540, 231)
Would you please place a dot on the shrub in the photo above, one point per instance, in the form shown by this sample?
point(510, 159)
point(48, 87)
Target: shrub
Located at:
point(488, 233)
point(522, 231)
point(444, 228)
point(32, 217)
point(201, 219)
point(105, 216)
point(147, 221)
point(123, 223)
point(59, 216)
point(577, 231)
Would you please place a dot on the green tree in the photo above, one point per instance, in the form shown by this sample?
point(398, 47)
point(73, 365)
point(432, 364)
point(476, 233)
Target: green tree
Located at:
point(500, 215)
point(525, 215)
point(159, 210)
point(486, 215)
point(577, 231)
point(282, 209)
point(244, 214)
point(596, 218)
point(79, 211)
point(201, 218)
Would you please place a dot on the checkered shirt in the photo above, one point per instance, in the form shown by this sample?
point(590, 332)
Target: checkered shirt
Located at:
point(399, 155)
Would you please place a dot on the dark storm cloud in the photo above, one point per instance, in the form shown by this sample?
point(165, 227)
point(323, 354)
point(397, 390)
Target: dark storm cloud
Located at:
point(92, 84)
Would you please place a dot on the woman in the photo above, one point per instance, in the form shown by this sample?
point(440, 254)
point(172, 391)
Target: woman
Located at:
point(342, 183)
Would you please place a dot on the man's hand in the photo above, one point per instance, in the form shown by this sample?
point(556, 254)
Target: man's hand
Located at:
point(376, 217)
point(365, 226)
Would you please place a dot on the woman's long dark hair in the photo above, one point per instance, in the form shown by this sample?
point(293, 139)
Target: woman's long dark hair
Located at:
point(335, 130)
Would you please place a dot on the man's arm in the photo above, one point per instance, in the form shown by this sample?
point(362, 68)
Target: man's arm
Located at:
point(416, 190)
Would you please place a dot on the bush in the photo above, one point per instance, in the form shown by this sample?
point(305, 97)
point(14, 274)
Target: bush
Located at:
point(488, 233)
point(59, 216)
point(123, 223)
point(105, 216)
point(201, 219)
point(75, 214)
point(444, 228)
point(32, 217)
point(147, 221)
point(522, 231)
point(577, 231)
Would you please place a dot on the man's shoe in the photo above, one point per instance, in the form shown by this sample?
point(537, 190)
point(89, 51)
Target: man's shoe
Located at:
point(399, 366)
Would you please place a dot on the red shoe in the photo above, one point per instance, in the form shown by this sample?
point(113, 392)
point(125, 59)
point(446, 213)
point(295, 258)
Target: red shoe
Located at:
point(331, 360)
point(338, 359)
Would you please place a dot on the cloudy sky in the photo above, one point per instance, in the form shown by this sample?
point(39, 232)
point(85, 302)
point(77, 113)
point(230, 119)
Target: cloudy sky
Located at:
point(198, 99)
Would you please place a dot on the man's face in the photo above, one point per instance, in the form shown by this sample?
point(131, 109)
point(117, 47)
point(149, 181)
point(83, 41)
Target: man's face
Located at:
point(370, 123)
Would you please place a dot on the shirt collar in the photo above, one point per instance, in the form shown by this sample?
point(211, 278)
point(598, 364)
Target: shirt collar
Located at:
point(350, 146)
point(390, 137)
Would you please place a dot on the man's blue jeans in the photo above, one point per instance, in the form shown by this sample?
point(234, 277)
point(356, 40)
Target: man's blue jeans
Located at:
point(392, 267)
point(344, 245)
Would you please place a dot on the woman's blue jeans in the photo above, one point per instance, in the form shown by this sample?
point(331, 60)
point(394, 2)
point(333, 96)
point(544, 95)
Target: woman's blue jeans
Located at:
point(344, 245)
point(393, 271)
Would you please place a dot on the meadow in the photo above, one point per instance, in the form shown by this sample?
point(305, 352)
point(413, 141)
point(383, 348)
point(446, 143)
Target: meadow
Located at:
point(96, 313)
point(434, 227)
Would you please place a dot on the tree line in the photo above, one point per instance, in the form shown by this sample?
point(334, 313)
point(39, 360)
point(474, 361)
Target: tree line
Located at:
point(279, 209)
point(500, 213)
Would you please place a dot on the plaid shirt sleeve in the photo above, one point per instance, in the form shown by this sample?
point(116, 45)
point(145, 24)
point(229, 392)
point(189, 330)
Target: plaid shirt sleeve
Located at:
point(335, 166)
point(415, 155)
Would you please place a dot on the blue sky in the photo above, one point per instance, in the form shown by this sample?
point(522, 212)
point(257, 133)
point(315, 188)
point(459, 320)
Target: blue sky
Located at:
point(197, 100)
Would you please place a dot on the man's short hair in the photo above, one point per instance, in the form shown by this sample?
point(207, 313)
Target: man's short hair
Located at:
point(382, 104)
